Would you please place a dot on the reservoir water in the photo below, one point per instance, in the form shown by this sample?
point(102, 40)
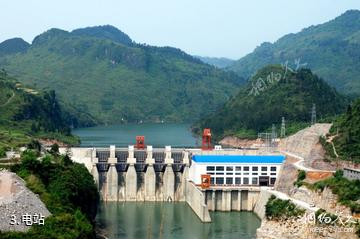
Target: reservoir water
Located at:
point(160, 220)
point(173, 221)
point(157, 135)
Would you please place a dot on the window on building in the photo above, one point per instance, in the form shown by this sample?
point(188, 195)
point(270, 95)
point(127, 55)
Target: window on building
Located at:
point(237, 180)
point(237, 168)
point(229, 180)
point(237, 173)
point(263, 168)
point(246, 168)
point(219, 173)
point(229, 170)
point(254, 181)
point(273, 169)
point(212, 181)
point(246, 180)
point(246, 173)
point(254, 168)
point(219, 168)
point(219, 180)
point(272, 180)
point(211, 173)
point(254, 173)
point(272, 173)
point(210, 168)
point(263, 173)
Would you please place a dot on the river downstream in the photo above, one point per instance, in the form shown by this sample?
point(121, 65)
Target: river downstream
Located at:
point(172, 220)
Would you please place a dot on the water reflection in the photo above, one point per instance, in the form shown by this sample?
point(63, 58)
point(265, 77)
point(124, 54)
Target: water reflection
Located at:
point(167, 220)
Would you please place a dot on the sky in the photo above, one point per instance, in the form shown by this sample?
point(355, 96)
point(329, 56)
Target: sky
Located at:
point(216, 28)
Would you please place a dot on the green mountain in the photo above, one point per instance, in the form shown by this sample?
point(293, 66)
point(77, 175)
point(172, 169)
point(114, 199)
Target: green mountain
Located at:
point(26, 113)
point(219, 62)
point(101, 71)
point(274, 92)
point(105, 32)
point(331, 50)
point(12, 46)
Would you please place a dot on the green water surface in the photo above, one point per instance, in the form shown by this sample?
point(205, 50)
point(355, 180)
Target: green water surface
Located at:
point(173, 221)
point(157, 135)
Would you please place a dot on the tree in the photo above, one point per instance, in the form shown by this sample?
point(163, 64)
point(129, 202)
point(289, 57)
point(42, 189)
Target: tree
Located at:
point(54, 150)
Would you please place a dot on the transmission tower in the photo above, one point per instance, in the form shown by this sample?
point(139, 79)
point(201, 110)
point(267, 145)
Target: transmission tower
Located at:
point(266, 138)
point(283, 131)
point(313, 114)
point(273, 135)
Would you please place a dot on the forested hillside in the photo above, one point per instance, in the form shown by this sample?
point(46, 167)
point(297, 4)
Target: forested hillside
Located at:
point(345, 134)
point(331, 50)
point(275, 92)
point(12, 46)
point(101, 71)
point(26, 113)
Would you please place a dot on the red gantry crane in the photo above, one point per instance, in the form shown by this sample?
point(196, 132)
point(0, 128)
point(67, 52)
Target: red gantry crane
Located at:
point(206, 140)
point(140, 142)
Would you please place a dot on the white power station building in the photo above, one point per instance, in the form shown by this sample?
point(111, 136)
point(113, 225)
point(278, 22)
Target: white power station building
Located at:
point(236, 170)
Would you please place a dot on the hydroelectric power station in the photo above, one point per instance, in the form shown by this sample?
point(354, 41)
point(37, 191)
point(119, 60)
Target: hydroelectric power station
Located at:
point(206, 178)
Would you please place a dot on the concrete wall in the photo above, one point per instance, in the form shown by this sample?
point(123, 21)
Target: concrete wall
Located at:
point(259, 209)
point(231, 199)
point(196, 200)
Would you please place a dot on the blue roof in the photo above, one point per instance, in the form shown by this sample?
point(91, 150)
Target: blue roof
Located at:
point(238, 158)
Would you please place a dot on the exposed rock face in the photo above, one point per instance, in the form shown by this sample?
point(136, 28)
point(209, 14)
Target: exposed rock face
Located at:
point(325, 200)
point(303, 142)
point(288, 175)
point(294, 228)
point(233, 141)
point(17, 200)
point(290, 229)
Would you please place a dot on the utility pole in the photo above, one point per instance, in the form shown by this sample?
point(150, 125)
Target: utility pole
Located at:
point(313, 114)
point(283, 131)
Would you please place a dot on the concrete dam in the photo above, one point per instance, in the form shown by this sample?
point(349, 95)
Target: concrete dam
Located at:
point(175, 175)
point(140, 175)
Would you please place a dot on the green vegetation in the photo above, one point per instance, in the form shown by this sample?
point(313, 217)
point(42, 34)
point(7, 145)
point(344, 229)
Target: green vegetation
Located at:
point(346, 133)
point(2, 152)
point(331, 50)
point(277, 209)
point(100, 71)
point(26, 113)
point(348, 191)
point(300, 178)
point(68, 191)
point(281, 93)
